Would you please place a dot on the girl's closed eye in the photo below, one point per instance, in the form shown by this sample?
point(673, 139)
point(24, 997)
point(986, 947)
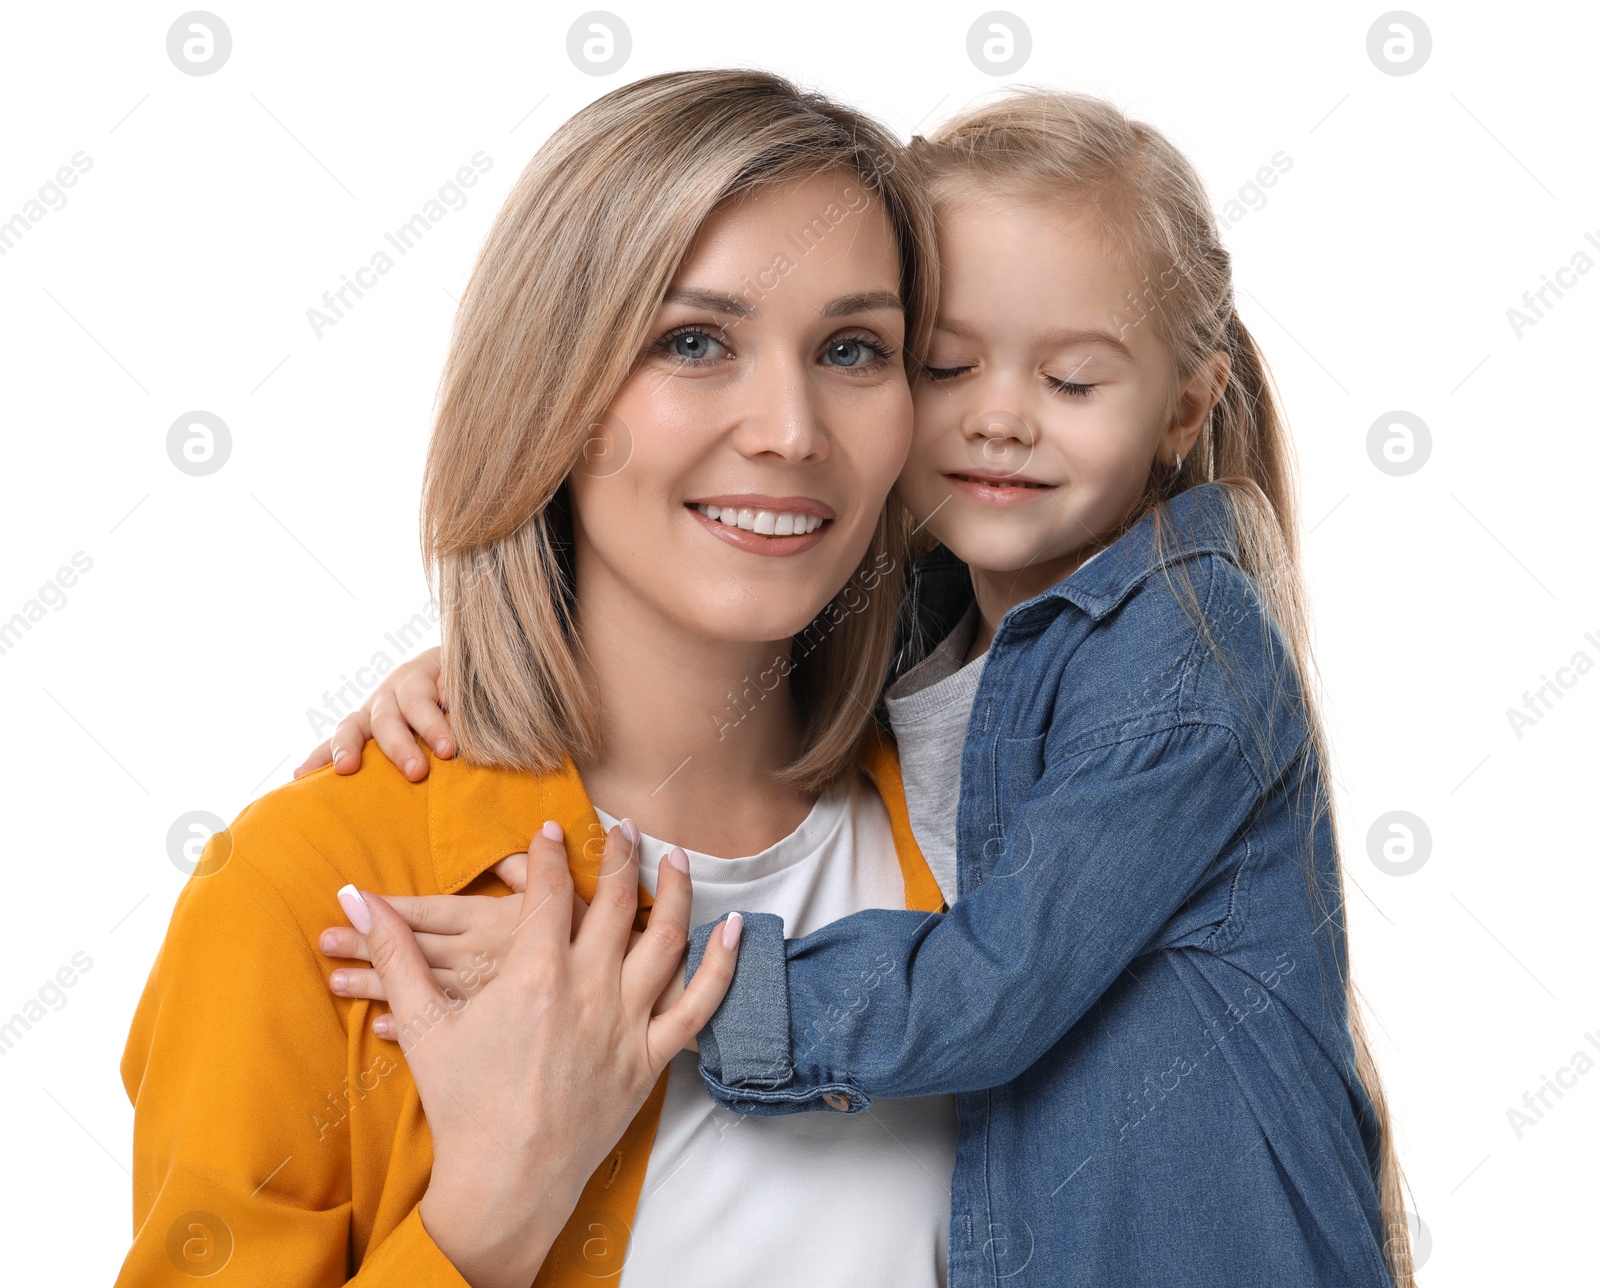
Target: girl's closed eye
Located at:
point(1076, 389)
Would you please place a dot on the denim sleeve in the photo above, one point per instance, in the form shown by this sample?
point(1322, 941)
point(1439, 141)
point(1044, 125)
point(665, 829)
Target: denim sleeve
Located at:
point(1107, 847)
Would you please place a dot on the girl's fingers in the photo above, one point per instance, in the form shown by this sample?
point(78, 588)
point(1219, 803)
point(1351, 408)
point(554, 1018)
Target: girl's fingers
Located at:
point(394, 736)
point(321, 754)
point(361, 981)
point(348, 739)
point(417, 694)
point(446, 952)
point(658, 954)
point(513, 870)
point(616, 894)
point(672, 1030)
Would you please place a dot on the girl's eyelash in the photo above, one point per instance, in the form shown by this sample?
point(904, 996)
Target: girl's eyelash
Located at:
point(1071, 388)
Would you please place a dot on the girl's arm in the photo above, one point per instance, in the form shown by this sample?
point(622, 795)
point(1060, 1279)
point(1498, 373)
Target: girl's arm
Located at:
point(408, 702)
point(1109, 845)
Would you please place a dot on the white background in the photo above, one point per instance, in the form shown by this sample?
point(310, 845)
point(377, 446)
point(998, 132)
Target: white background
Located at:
point(179, 673)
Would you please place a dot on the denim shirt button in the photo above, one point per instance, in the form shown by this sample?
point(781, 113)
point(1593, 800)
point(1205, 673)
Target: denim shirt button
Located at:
point(835, 1101)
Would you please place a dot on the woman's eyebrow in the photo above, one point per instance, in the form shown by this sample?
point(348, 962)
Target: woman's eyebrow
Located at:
point(739, 307)
point(863, 302)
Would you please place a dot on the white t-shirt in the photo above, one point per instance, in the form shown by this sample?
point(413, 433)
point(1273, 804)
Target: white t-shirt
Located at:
point(796, 1199)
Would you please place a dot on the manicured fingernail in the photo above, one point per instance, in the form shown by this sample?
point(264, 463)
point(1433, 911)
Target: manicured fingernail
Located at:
point(678, 859)
point(551, 831)
point(355, 907)
point(383, 1026)
point(336, 981)
point(630, 829)
point(731, 930)
point(413, 765)
point(337, 752)
point(329, 941)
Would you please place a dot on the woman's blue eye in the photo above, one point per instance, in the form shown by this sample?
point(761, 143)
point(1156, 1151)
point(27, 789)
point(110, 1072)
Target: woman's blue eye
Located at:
point(855, 351)
point(691, 346)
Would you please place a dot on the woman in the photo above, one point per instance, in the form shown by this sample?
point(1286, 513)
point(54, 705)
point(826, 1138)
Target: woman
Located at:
point(699, 298)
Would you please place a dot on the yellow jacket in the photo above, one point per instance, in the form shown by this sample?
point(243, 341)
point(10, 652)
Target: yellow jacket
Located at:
point(276, 1140)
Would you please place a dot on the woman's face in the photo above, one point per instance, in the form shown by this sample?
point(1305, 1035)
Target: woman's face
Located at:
point(747, 458)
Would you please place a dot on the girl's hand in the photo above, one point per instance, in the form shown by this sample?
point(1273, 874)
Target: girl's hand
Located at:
point(408, 702)
point(528, 1084)
point(463, 938)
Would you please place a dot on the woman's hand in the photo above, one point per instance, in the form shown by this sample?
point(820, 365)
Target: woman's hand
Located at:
point(463, 938)
point(528, 1083)
point(408, 702)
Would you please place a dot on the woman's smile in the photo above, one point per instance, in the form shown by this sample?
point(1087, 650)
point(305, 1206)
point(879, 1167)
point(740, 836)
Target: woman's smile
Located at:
point(765, 525)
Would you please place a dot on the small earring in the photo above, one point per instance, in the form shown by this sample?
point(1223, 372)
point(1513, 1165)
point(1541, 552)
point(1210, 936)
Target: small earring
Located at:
point(1177, 462)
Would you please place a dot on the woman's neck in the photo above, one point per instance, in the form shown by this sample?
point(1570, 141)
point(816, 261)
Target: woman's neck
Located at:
point(693, 728)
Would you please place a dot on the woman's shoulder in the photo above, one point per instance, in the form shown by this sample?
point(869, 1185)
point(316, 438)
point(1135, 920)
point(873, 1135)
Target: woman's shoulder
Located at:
point(369, 829)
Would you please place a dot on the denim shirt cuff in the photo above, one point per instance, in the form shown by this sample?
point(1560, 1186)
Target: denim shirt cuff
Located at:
point(746, 1044)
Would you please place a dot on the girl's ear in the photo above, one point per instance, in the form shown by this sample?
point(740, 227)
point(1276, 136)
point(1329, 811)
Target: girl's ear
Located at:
point(1196, 397)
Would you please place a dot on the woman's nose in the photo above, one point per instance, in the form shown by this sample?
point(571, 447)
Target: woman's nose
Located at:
point(784, 417)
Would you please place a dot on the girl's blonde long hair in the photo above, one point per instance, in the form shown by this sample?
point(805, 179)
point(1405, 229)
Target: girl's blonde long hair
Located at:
point(552, 322)
point(1036, 143)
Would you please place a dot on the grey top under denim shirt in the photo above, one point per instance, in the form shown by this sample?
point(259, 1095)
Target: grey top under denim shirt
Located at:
point(1139, 994)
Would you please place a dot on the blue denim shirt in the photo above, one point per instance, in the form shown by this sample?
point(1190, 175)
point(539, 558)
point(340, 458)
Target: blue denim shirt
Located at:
point(1139, 994)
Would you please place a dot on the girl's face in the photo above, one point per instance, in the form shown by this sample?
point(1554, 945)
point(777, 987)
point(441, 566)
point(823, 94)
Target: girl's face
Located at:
point(1046, 397)
point(747, 458)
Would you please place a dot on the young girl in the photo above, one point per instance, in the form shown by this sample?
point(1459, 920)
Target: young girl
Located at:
point(1141, 994)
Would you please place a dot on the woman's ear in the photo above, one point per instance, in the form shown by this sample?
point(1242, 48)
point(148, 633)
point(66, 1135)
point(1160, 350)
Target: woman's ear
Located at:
point(1197, 395)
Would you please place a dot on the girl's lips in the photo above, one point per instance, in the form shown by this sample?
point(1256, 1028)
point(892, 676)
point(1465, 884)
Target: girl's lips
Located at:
point(1000, 491)
point(755, 542)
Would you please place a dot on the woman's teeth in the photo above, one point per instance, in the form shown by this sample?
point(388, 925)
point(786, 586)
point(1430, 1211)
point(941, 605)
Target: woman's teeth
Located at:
point(769, 523)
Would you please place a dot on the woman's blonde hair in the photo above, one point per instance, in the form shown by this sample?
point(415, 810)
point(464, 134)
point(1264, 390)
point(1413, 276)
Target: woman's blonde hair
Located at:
point(1041, 144)
point(553, 320)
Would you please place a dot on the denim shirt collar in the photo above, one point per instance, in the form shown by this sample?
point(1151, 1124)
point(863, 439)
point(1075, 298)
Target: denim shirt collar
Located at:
point(1197, 521)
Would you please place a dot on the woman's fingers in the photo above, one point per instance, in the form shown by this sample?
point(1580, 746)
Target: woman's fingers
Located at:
point(408, 983)
point(658, 954)
point(349, 737)
point(672, 1030)
point(544, 922)
point(610, 916)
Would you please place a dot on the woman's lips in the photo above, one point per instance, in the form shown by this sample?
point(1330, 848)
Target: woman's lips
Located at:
point(999, 489)
point(764, 525)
